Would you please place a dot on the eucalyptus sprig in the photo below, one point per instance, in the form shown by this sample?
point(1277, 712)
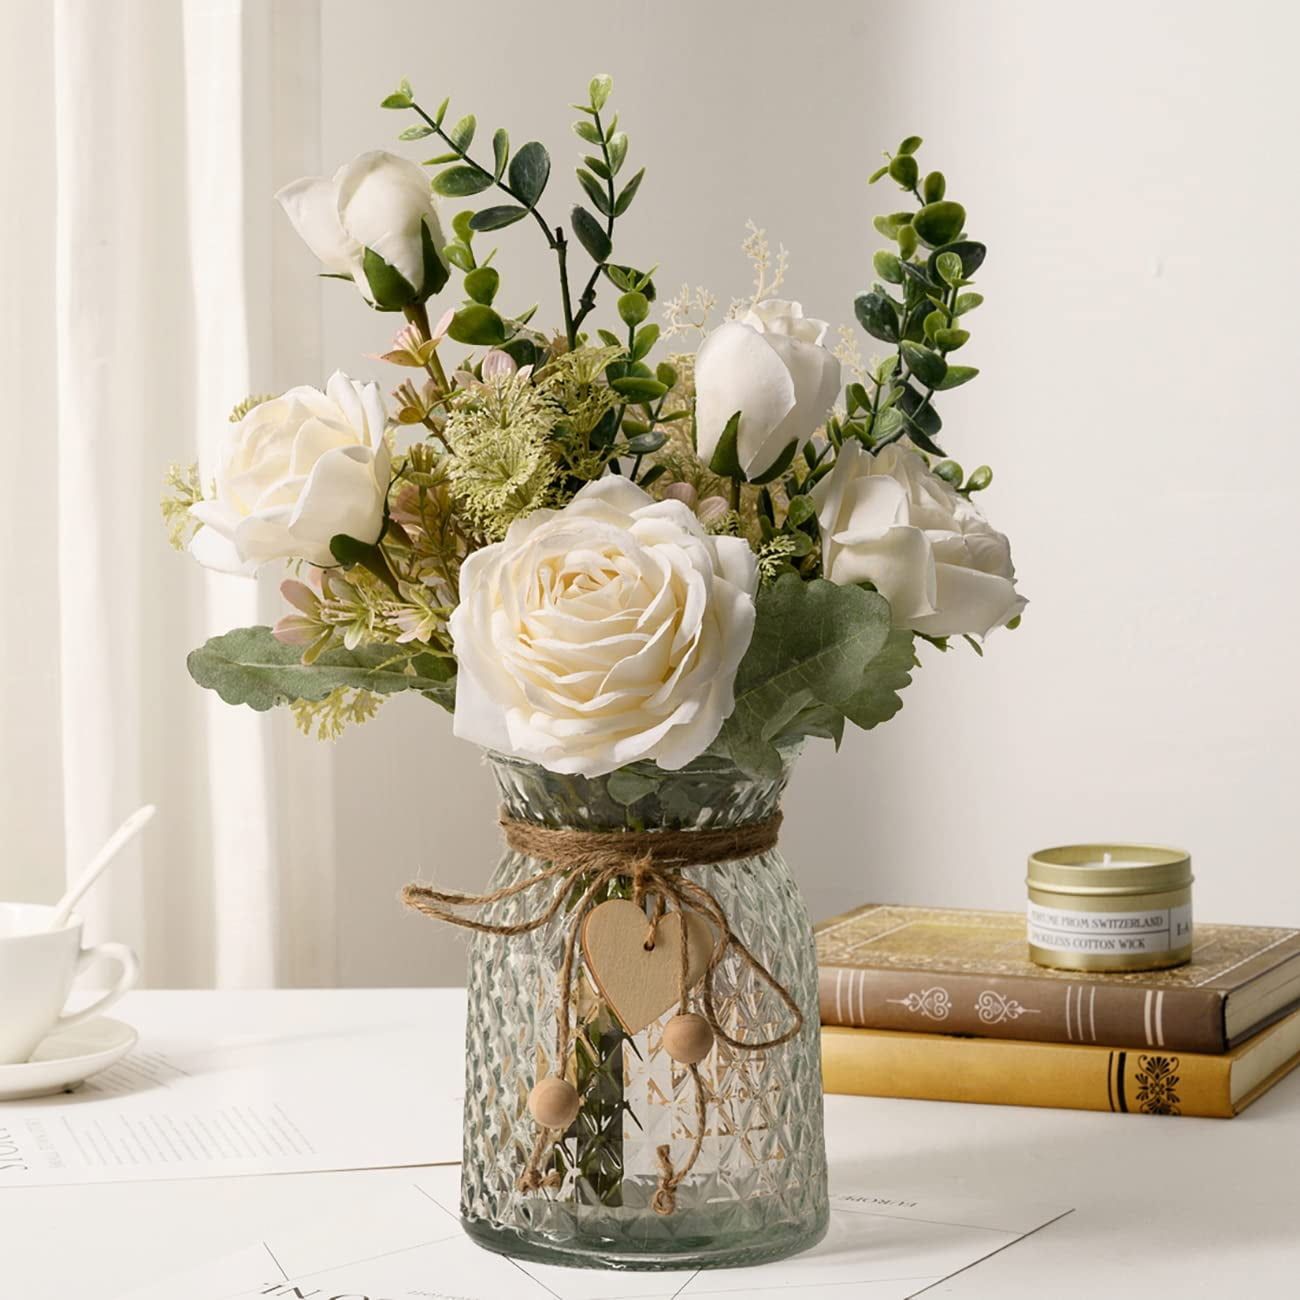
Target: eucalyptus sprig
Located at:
point(931, 265)
point(523, 178)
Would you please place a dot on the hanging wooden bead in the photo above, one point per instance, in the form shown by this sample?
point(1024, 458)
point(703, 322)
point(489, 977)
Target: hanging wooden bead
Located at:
point(554, 1102)
point(688, 1038)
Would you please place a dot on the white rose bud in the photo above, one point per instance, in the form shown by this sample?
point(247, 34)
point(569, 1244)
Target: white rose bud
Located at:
point(603, 633)
point(887, 519)
point(771, 366)
point(381, 205)
point(294, 472)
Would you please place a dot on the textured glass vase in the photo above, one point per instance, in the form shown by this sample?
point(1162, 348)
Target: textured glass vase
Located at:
point(758, 1189)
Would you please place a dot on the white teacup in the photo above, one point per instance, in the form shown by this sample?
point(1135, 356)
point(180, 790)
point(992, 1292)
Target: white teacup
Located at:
point(37, 967)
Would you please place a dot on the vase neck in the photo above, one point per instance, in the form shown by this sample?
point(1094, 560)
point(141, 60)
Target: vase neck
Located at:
point(708, 794)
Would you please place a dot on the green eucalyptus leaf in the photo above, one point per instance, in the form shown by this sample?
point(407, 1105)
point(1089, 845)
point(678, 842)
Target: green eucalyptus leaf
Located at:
point(249, 666)
point(633, 308)
point(461, 181)
point(934, 322)
point(666, 375)
point(597, 166)
point(628, 193)
point(887, 675)
point(646, 337)
point(970, 251)
point(500, 152)
point(877, 315)
point(599, 89)
point(628, 278)
point(416, 132)
point(887, 266)
point(441, 111)
point(478, 325)
point(949, 471)
point(587, 131)
point(646, 443)
point(949, 267)
point(939, 223)
point(956, 376)
point(887, 425)
point(639, 389)
point(904, 170)
point(890, 225)
point(482, 284)
point(911, 144)
point(591, 234)
point(951, 339)
point(530, 169)
point(626, 787)
point(458, 254)
point(933, 187)
point(617, 147)
point(967, 302)
point(928, 366)
point(402, 97)
point(855, 398)
point(462, 134)
point(460, 223)
point(980, 479)
point(878, 173)
point(800, 510)
point(441, 159)
point(597, 192)
point(811, 646)
point(496, 218)
point(907, 242)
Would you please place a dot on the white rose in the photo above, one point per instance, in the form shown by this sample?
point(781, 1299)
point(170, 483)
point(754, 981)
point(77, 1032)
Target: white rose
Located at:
point(603, 633)
point(379, 202)
point(887, 519)
point(770, 366)
point(295, 471)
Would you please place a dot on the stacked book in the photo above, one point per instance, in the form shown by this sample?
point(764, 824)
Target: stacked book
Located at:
point(946, 1005)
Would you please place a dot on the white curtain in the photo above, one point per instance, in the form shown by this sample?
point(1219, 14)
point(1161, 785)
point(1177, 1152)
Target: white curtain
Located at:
point(147, 261)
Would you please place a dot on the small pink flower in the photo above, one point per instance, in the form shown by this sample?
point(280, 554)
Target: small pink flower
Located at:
point(498, 365)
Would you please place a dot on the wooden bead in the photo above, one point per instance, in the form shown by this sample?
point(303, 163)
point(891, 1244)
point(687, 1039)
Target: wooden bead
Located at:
point(554, 1102)
point(688, 1038)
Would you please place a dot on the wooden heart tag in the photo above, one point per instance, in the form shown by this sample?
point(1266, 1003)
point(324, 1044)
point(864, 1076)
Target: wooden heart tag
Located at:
point(640, 984)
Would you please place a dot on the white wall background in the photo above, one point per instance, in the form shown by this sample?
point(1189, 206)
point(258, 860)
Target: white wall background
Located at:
point(1131, 166)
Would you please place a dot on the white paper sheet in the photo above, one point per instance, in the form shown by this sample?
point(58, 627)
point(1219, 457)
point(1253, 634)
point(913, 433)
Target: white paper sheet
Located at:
point(408, 1245)
point(224, 1101)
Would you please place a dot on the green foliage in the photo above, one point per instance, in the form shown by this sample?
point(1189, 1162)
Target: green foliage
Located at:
point(478, 325)
point(922, 318)
point(530, 169)
point(249, 666)
point(591, 234)
point(807, 664)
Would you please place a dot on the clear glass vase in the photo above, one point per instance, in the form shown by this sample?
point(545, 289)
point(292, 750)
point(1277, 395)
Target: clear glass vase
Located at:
point(758, 1188)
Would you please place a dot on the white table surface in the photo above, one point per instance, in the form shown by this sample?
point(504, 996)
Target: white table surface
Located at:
point(1172, 1207)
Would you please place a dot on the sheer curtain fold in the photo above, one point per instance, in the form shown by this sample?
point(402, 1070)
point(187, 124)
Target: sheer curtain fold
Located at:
point(172, 126)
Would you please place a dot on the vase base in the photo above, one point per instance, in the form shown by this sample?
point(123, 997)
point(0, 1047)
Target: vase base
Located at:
point(733, 1251)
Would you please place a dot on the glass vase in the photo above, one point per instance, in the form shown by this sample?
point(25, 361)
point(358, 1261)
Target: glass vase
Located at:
point(758, 1188)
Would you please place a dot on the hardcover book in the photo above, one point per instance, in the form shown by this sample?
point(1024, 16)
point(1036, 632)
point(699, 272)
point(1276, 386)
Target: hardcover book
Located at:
point(952, 971)
point(935, 1067)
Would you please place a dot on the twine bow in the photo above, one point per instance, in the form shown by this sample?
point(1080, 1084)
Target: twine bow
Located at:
point(654, 861)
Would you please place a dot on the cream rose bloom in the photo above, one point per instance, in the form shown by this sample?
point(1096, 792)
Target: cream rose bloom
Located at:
point(603, 633)
point(887, 519)
point(377, 201)
point(293, 473)
point(772, 367)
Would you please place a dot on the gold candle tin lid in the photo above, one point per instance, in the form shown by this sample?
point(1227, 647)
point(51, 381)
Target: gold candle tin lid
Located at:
point(1109, 870)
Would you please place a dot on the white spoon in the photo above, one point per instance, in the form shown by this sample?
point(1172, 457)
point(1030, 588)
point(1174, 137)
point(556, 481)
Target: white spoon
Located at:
point(126, 832)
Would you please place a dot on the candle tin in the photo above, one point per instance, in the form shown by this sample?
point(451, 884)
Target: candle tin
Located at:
point(1110, 907)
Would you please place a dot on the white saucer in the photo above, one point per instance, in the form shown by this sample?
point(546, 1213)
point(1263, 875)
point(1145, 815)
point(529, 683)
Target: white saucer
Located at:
point(67, 1059)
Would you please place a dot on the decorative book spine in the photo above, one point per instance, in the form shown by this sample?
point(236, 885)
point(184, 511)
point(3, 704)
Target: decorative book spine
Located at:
point(872, 1063)
point(1040, 1010)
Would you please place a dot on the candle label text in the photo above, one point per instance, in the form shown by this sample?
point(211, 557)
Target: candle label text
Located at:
point(1158, 929)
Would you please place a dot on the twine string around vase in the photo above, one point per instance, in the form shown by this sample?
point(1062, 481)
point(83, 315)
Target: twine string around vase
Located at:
point(654, 861)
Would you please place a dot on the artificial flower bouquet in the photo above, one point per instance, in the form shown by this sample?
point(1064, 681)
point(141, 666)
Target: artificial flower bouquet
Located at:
point(640, 555)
